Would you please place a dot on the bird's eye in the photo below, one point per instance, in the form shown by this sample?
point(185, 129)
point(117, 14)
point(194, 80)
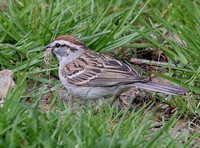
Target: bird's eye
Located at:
point(57, 45)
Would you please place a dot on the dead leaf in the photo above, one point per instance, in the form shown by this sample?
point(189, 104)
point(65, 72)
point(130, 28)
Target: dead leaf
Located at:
point(6, 82)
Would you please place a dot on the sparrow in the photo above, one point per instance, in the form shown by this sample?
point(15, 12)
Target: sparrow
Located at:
point(88, 74)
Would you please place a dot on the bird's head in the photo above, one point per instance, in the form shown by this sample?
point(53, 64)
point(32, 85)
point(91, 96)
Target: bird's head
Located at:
point(66, 47)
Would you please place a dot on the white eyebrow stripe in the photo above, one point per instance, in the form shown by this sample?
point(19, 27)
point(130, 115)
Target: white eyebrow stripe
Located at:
point(62, 42)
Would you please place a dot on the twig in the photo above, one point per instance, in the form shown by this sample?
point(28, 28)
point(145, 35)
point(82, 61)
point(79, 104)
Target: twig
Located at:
point(144, 61)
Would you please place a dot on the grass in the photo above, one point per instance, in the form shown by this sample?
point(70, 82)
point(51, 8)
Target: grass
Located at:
point(105, 26)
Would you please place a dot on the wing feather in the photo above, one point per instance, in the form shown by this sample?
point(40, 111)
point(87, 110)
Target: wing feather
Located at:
point(93, 69)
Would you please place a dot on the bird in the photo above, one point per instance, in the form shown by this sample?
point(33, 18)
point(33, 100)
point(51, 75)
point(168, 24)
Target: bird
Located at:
point(89, 74)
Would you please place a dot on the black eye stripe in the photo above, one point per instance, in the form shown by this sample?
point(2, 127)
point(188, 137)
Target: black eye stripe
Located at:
point(64, 45)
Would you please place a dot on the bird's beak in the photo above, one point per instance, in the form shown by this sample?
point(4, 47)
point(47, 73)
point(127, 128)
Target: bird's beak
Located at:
point(47, 47)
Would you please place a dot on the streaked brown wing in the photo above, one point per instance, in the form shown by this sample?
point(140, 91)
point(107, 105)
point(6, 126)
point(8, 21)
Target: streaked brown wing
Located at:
point(98, 71)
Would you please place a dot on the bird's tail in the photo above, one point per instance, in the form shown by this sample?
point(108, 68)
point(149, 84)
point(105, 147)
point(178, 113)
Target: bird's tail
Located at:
point(167, 89)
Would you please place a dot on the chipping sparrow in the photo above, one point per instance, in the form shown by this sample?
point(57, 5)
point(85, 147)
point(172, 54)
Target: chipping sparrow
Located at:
point(92, 75)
